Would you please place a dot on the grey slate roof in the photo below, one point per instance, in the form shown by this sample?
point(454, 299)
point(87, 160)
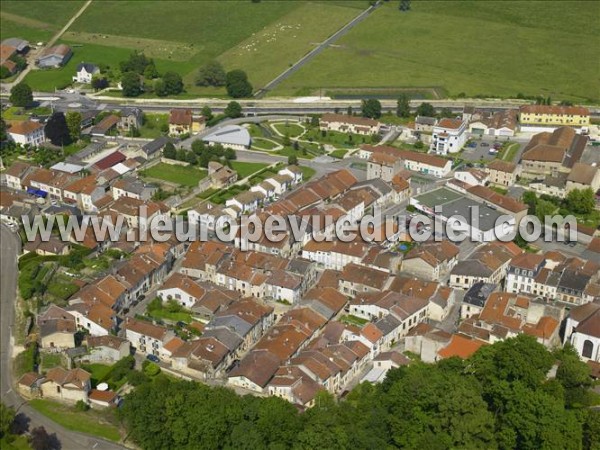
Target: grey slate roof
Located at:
point(89, 68)
point(225, 336)
point(388, 324)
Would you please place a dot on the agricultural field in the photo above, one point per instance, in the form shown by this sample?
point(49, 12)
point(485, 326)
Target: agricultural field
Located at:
point(261, 38)
point(505, 48)
point(36, 20)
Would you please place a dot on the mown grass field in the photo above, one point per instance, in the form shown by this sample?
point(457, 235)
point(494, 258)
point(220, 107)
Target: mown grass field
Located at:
point(84, 422)
point(496, 48)
point(245, 169)
point(184, 175)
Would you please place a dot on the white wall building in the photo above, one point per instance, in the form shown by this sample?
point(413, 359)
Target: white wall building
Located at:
point(449, 136)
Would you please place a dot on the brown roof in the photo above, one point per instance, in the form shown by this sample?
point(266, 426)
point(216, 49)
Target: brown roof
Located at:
point(60, 376)
point(590, 326)
point(434, 253)
point(594, 245)
point(25, 127)
point(460, 346)
point(60, 49)
point(102, 396)
point(17, 169)
point(180, 116)
point(451, 124)
point(502, 166)
point(503, 201)
point(582, 312)
point(355, 120)
point(172, 345)
point(108, 340)
point(29, 379)
point(374, 278)
point(582, 173)
point(529, 261)
point(145, 328)
point(549, 109)
point(6, 51)
point(186, 284)
point(258, 366)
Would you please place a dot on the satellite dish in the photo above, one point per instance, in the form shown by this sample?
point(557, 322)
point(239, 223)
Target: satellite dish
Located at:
point(102, 387)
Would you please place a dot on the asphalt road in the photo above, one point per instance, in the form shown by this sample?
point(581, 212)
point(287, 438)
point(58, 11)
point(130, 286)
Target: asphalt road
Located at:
point(9, 249)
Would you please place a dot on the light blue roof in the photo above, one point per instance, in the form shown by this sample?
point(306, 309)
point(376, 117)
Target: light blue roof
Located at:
point(229, 134)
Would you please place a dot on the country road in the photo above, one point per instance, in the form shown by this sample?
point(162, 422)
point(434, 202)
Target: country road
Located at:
point(9, 249)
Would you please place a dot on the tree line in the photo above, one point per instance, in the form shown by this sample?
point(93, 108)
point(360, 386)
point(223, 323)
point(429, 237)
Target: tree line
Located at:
point(500, 398)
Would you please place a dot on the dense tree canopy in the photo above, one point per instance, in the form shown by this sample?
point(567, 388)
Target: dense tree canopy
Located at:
point(74, 124)
point(371, 108)
point(57, 129)
point(426, 109)
point(21, 95)
point(138, 63)
point(499, 398)
point(233, 110)
point(237, 84)
point(581, 201)
point(211, 74)
point(171, 84)
point(131, 84)
point(403, 106)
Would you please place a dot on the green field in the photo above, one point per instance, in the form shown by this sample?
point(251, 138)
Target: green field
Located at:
point(486, 48)
point(263, 144)
point(261, 38)
point(36, 20)
point(293, 130)
point(84, 422)
point(245, 169)
point(183, 175)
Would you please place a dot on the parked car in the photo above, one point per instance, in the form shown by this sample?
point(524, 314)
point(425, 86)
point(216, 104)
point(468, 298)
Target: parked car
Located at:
point(484, 144)
point(153, 358)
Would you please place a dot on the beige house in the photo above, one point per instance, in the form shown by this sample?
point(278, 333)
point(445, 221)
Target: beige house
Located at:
point(57, 328)
point(502, 173)
point(67, 386)
point(583, 176)
point(549, 153)
point(431, 261)
point(349, 124)
point(384, 166)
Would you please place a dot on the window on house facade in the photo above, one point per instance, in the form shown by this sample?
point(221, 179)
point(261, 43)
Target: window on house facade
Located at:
point(588, 349)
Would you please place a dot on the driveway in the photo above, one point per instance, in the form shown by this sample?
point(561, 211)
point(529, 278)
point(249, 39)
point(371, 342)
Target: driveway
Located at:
point(10, 246)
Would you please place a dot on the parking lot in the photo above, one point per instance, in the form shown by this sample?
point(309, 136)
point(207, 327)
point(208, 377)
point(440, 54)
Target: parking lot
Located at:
point(480, 149)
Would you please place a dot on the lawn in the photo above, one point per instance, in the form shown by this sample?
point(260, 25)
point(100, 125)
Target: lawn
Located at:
point(307, 173)
point(154, 124)
point(50, 360)
point(171, 311)
point(89, 422)
point(99, 372)
point(338, 153)
point(264, 144)
point(509, 152)
point(245, 169)
point(183, 175)
point(293, 130)
point(353, 320)
point(337, 139)
point(421, 49)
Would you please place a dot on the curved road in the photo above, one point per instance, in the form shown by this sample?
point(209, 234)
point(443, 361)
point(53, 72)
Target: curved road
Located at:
point(70, 440)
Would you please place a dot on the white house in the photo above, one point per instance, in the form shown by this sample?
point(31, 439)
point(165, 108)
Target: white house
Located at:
point(27, 133)
point(473, 177)
point(449, 136)
point(583, 331)
point(182, 289)
point(146, 337)
point(85, 72)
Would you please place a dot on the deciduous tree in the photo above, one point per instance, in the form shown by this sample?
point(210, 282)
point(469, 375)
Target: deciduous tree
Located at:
point(21, 95)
